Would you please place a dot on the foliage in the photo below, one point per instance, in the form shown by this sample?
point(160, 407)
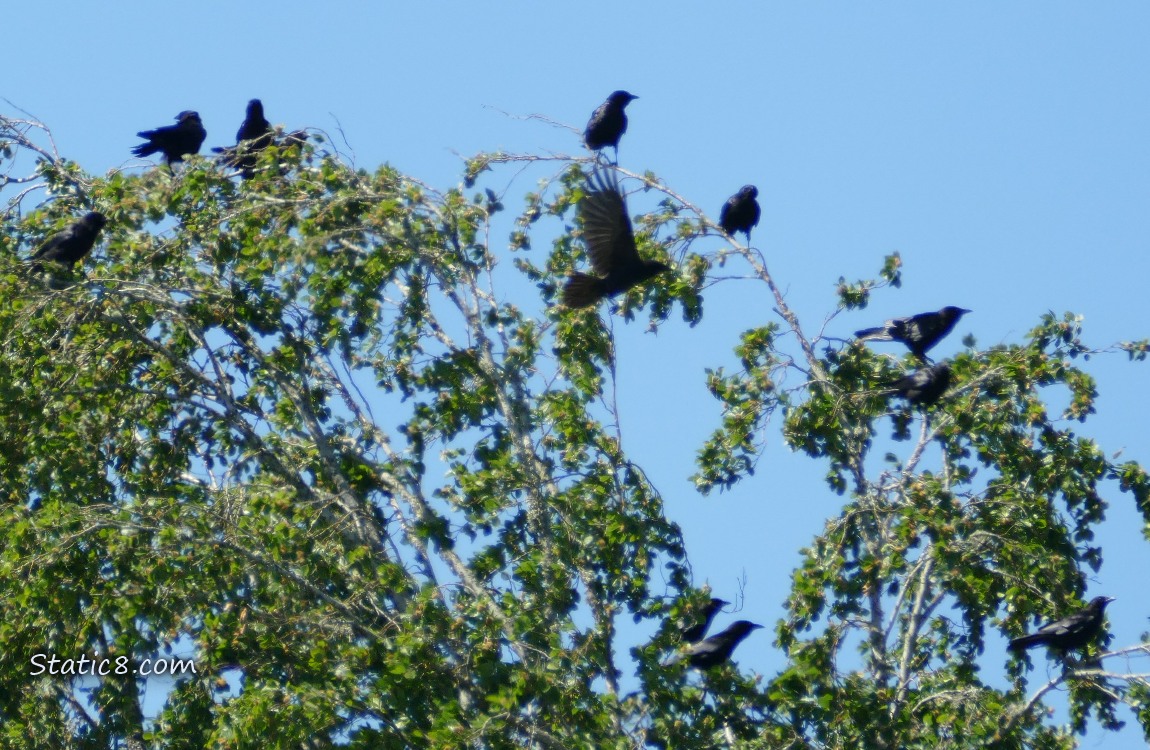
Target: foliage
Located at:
point(295, 422)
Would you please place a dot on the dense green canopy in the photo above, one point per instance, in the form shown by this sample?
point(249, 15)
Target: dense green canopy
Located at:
point(298, 422)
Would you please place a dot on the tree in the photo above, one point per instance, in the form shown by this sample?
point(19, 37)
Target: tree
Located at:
point(297, 422)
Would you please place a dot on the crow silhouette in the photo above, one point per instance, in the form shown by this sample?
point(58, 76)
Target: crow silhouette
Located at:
point(1071, 632)
point(924, 387)
point(696, 632)
point(174, 141)
point(740, 212)
point(919, 332)
point(608, 123)
point(610, 246)
point(717, 649)
point(254, 135)
point(70, 245)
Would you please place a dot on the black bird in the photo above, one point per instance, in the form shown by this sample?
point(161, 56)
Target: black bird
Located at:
point(174, 141)
point(254, 135)
point(610, 246)
point(740, 212)
point(717, 649)
point(924, 387)
point(1071, 632)
point(608, 123)
point(919, 332)
point(72, 244)
point(255, 126)
point(696, 632)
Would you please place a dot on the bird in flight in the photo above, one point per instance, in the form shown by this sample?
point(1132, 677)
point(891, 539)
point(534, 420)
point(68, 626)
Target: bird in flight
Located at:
point(610, 246)
point(919, 332)
point(174, 141)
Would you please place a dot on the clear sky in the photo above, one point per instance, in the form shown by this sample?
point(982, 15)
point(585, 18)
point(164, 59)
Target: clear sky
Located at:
point(1002, 149)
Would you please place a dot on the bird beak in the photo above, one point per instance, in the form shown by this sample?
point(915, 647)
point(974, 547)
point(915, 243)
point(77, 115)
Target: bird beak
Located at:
point(1109, 599)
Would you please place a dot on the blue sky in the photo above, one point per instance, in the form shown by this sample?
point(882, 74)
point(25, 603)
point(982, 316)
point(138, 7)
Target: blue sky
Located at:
point(1002, 149)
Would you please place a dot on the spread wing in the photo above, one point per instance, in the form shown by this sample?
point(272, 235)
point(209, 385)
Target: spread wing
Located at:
point(606, 225)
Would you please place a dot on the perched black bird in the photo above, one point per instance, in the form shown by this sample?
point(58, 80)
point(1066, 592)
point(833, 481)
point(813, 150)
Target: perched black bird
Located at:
point(72, 244)
point(696, 632)
point(919, 332)
point(255, 126)
point(610, 246)
point(717, 649)
point(608, 123)
point(1069, 633)
point(924, 387)
point(254, 135)
point(741, 211)
point(174, 141)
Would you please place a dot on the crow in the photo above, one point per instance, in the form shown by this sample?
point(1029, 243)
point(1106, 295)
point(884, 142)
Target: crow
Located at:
point(717, 649)
point(924, 387)
point(919, 332)
point(72, 244)
point(254, 135)
point(740, 212)
point(695, 633)
point(1071, 632)
point(255, 126)
point(174, 141)
point(608, 123)
point(610, 246)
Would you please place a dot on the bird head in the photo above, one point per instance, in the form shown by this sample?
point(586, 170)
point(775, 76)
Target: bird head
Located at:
point(188, 116)
point(750, 190)
point(95, 219)
point(742, 627)
point(1099, 602)
point(950, 311)
point(621, 98)
point(714, 606)
point(255, 108)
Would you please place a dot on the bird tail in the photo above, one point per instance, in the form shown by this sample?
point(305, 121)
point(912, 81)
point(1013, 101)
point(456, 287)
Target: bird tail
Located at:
point(582, 290)
point(145, 149)
point(873, 334)
point(1024, 642)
